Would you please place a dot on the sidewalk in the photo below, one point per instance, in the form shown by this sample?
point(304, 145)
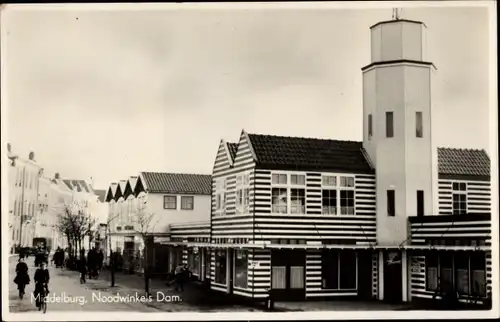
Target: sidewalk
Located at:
point(195, 297)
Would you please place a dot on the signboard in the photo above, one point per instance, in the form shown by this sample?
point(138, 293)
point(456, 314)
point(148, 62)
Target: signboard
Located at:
point(415, 267)
point(253, 264)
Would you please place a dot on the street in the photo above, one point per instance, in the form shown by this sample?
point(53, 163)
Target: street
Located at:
point(69, 294)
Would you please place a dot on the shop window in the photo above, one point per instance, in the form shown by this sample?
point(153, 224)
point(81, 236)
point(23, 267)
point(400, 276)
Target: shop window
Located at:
point(241, 268)
point(220, 266)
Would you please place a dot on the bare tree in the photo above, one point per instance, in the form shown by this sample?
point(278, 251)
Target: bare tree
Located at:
point(144, 225)
point(75, 224)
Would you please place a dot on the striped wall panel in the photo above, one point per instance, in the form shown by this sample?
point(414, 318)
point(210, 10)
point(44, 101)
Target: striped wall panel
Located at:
point(259, 276)
point(314, 226)
point(191, 230)
point(451, 227)
point(478, 196)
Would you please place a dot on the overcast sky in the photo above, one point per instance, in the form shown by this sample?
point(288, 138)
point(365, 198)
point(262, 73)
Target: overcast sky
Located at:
point(106, 94)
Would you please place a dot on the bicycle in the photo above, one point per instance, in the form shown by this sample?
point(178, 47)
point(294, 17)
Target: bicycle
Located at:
point(42, 298)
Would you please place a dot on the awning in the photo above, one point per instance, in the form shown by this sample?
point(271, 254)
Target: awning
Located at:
point(450, 248)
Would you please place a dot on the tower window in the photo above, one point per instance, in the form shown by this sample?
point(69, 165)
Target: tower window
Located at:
point(389, 124)
point(420, 203)
point(391, 207)
point(419, 126)
point(370, 126)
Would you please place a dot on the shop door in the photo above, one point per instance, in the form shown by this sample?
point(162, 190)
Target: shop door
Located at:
point(288, 274)
point(393, 277)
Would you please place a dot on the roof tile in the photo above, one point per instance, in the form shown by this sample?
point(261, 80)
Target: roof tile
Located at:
point(232, 147)
point(310, 154)
point(158, 182)
point(463, 162)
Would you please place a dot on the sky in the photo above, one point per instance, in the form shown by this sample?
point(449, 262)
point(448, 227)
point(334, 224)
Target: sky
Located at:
point(106, 94)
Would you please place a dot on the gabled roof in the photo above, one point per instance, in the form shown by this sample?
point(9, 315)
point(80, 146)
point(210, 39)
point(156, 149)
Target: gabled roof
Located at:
point(79, 185)
point(101, 194)
point(468, 162)
point(232, 148)
point(309, 154)
point(158, 182)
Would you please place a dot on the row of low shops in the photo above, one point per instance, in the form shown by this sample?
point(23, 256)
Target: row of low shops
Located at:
point(423, 269)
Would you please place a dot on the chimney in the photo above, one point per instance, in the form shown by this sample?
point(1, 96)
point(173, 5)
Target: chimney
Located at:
point(9, 148)
point(57, 176)
point(32, 156)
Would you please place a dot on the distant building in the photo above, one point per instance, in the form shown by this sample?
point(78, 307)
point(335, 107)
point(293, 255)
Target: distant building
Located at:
point(23, 181)
point(163, 199)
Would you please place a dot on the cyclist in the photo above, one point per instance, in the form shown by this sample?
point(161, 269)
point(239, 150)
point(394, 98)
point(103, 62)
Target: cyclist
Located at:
point(41, 280)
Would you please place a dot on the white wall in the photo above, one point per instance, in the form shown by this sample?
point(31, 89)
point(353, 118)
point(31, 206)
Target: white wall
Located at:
point(397, 40)
point(164, 217)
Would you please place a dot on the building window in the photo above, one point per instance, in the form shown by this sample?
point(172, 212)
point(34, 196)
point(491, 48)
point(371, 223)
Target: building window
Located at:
point(329, 202)
point(243, 193)
point(169, 202)
point(431, 268)
point(279, 200)
point(241, 268)
point(298, 201)
point(339, 269)
point(418, 124)
point(391, 207)
point(330, 181)
point(187, 202)
point(15, 207)
point(298, 179)
point(459, 198)
point(420, 203)
point(220, 266)
point(460, 271)
point(344, 191)
point(478, 274)
point(370, 126)
point(346, 202)
point(279, 178)
point(389, 124)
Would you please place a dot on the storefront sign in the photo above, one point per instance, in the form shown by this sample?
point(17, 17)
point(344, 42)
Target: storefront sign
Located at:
point(253, 264)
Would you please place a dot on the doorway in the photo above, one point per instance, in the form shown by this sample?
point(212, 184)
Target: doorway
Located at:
point(393, 277)
point(365, 282)
point(288, 274)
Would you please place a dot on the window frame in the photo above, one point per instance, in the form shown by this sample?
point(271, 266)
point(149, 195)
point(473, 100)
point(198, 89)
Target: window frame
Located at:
point(391, 206)
point(339, 187)
point(165, 202)
point(338, 269)
point(389, 120)
point(243, 193)
point(288, 186)
point(184, 197)
point(459, 190)
point(420, 209)
point(370, 126)
point(419, 124)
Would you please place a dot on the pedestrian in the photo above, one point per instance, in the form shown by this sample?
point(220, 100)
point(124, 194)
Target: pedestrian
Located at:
point(41, 279)
point(22, 276)
point(100, 259)
point(179, 277)
point(82, 267)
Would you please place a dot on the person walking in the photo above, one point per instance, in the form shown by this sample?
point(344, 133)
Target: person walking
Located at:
point(82, 268)
point(22, 276)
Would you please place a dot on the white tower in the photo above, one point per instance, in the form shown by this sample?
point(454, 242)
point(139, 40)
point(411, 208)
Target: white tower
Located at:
point(397, 125)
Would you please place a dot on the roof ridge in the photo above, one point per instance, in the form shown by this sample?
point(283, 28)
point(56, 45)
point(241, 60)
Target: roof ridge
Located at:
point(303, 137)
